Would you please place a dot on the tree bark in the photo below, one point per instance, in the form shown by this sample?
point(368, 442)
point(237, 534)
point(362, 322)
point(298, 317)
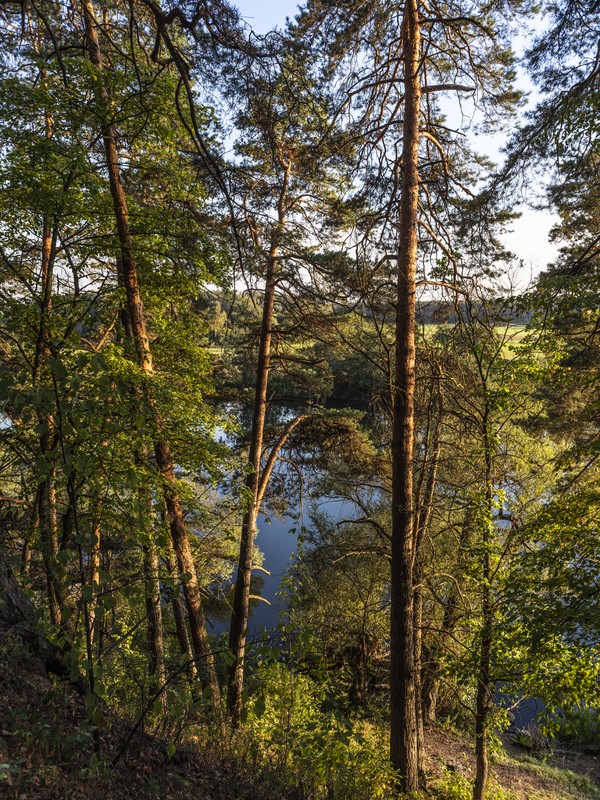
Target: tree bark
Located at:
point(156, 647)
point(94, 563)
point(49, 539)
point(483, 705)
point(403, 724)
point(418, 639)
point(46, 496)
point(423, 518)
point(484, 685)
point(241, 598)
point(181, 630)
point(430, 691)
point(136, 323)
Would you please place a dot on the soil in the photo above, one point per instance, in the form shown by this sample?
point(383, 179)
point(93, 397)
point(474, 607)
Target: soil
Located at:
point(47, 748)
point(551, 774)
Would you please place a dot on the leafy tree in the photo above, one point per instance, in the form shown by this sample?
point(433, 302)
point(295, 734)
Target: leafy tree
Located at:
point(81, 413)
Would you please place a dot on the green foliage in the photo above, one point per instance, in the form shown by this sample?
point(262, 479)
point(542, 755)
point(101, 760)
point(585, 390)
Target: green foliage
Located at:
point(299, 744)
point(511, 545)
point(336, 594)
point(455, 786)
point(577, 725)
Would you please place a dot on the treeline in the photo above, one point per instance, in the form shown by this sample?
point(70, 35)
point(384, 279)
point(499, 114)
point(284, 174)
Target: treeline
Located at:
point(221, 313)
point(201, 226)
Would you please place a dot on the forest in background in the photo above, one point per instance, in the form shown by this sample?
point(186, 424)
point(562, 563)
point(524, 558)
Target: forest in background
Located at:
point(241, 274)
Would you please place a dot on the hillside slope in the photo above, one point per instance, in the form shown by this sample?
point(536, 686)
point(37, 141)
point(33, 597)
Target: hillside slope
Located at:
point(47, 753)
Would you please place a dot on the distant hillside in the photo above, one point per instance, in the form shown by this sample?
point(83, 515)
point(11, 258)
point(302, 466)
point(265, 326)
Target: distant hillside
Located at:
point(439, 313)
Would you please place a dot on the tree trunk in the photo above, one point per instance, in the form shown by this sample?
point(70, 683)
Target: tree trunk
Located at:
point(484, 683)
point(94, 564)
point(237, 669)
point(49, 539)
point(156, 648)
point(483, 708)
point(181, 630)
point(185, 561)
point(25, 557)
point(241, 598)
point(46, 496)
point(403, 725)
point(423, 518)
point(137, 325)
point(418, 639)
point(430, 691)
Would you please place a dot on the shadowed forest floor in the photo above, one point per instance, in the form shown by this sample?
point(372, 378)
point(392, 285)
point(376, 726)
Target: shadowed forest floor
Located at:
point(46, 752)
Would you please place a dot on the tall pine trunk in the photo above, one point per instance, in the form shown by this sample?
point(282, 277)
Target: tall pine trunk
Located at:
point(137, 326)
point(484, 682)
point(403, 724)
point(241, 599)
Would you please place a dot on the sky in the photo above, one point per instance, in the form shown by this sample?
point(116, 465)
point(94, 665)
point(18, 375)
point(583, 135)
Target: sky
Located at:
point(263, 15)
point(529, 236)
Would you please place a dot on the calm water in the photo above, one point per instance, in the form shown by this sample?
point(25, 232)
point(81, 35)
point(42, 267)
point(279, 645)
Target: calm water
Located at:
point(277, 539)
point(277, 536)
point(278, 544)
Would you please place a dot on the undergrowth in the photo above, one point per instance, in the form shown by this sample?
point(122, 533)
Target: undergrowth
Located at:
point(293, 744)
point(296, 744)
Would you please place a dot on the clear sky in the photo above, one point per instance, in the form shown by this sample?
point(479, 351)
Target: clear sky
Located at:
point(529, 239)
point(263, 15)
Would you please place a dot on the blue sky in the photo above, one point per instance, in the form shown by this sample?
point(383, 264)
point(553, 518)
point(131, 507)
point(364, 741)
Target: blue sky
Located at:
point(263, 15)
point(529, 239)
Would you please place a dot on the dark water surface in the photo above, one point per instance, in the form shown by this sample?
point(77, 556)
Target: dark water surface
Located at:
point(277, 539)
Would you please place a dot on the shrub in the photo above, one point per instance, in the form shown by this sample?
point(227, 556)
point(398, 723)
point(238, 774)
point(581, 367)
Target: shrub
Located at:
point(578, 724)
point(319, 753)
point(454, 786)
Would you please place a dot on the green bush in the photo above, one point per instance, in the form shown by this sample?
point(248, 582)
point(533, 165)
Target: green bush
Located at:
point(578, 724)
point(317, 752)
point(454, 786)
